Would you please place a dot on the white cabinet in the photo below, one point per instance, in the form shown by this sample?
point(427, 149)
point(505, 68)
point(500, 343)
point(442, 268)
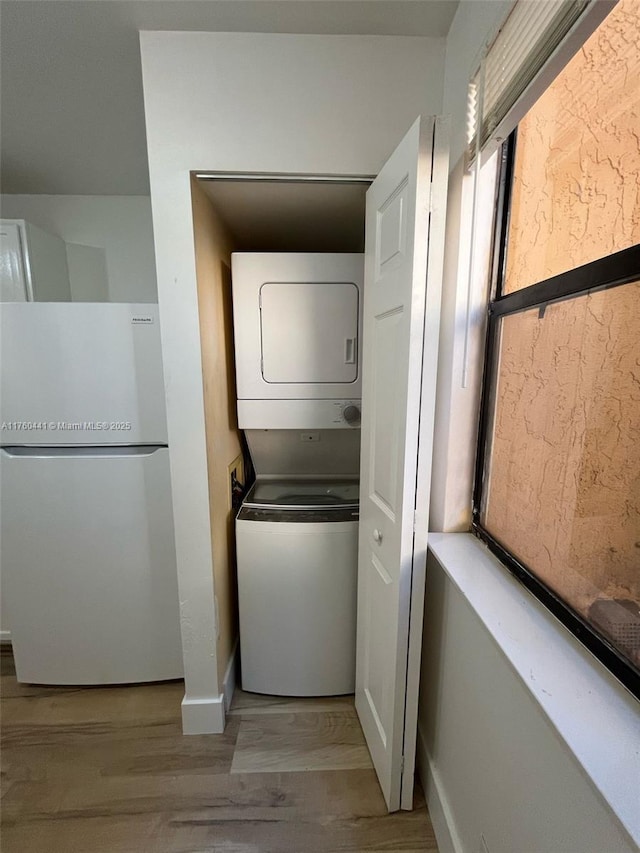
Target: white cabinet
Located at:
point(33, 264)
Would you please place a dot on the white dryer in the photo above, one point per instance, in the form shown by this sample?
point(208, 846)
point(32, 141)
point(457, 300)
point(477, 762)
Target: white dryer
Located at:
point(297, 545)
point(297, 328)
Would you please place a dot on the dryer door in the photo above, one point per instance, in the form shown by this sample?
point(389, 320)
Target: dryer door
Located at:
point(309, 332)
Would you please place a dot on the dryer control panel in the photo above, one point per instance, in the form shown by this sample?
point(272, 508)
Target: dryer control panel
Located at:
point(299, 414)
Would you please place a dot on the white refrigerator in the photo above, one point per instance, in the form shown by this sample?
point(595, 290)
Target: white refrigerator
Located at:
point(87, 547)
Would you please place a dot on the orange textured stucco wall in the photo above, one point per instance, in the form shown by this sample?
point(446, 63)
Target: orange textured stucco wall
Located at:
point(564, 490)
point(576, 189)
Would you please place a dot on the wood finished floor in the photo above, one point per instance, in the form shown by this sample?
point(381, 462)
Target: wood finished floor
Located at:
point(106, 770)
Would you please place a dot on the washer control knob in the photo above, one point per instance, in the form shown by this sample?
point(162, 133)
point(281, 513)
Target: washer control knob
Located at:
point(377, 536)
point(351, 414)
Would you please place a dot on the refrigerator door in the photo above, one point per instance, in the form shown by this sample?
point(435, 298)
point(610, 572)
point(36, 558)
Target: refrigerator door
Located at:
point(81, 374)
point(88, 564)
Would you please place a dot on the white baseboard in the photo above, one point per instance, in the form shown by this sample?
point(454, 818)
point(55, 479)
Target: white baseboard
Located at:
point(5, 637)
point(437, 803)
point(203, 716)
point(230, 677)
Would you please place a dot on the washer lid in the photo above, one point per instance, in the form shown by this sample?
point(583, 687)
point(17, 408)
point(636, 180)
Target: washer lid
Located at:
point(303, 494)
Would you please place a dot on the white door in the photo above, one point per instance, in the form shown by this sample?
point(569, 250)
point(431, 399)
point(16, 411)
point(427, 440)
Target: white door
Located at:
point(403, 272)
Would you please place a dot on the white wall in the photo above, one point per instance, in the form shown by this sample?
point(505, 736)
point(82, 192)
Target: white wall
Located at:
point(250, 102)
point(108, 235)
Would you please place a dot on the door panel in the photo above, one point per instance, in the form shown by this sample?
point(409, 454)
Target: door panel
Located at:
point(384, 408)
point(399, 369)
point(391, 230)
point(378, 690)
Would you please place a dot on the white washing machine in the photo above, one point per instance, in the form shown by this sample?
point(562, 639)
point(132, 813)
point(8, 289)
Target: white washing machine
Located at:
point(297, 550)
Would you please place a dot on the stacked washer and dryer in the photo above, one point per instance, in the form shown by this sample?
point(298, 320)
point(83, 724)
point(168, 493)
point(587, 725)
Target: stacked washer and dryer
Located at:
point(298, 330)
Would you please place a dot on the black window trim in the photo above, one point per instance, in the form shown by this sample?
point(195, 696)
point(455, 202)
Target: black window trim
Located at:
point(612, 271)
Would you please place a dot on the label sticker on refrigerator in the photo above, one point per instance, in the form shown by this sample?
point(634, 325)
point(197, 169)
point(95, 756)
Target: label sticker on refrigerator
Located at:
point(142, 320)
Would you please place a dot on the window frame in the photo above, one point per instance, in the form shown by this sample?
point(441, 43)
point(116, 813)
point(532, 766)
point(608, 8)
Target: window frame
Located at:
point(611, 271)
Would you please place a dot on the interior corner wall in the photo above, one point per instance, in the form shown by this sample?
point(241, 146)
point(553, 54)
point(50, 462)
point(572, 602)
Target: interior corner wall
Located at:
point(250, 102)
point(111, 236)
point(213, 247)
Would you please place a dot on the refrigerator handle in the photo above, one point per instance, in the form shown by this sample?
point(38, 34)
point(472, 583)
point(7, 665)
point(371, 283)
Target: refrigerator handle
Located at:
point(107, 452)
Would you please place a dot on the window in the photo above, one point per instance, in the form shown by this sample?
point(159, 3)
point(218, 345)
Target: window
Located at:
point(558, 480)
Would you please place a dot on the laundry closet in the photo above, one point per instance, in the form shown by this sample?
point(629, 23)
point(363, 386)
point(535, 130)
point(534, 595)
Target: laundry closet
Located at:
point(291, 393)
point(284, 299)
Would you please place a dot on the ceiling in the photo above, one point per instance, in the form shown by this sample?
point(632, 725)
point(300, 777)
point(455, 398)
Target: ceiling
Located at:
point(291, 216)
point(72, 113)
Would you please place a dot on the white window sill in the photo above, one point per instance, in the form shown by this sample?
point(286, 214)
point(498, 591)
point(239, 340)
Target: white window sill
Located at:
point(595, 716)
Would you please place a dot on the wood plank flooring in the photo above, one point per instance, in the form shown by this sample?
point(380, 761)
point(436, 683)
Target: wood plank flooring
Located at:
point(107, 770)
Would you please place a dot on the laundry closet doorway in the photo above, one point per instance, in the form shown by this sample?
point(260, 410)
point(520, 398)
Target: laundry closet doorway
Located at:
point(404, 226)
